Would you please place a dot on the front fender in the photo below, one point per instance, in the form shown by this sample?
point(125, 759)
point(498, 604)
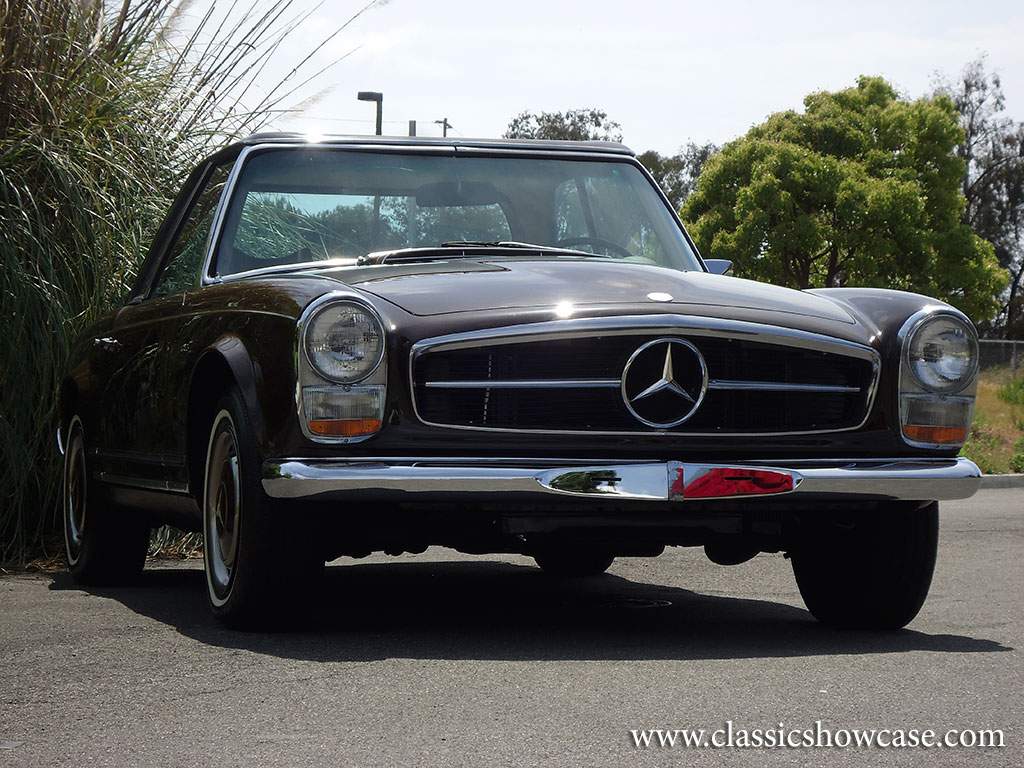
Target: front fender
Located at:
point(265, 382)
point(882, 309)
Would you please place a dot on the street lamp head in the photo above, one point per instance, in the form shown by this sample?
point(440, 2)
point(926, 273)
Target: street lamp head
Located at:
point(378, 97)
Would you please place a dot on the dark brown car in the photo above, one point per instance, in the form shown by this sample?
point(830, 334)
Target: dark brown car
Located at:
point(351, 345)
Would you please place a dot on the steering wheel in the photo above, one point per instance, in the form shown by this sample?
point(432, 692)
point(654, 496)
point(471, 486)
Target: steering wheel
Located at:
point(596, 242)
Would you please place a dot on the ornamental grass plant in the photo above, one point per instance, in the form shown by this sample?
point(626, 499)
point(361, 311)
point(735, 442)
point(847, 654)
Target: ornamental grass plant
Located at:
point(103, 110)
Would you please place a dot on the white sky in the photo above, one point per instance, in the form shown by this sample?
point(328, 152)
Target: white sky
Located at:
point(668, 72)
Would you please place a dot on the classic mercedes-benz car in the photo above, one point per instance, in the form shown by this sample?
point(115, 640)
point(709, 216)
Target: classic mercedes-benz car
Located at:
point(346, 345)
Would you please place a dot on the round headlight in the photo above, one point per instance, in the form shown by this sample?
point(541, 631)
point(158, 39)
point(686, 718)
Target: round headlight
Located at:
point(344, 342)
point(943, 354)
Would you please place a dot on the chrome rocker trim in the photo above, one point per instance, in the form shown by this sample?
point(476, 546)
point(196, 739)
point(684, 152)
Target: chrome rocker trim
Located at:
point(855, 479)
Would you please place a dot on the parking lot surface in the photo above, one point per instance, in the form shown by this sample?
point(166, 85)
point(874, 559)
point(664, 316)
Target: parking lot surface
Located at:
point(445, 659)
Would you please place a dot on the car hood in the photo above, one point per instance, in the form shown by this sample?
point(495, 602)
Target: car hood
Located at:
point(436, 288)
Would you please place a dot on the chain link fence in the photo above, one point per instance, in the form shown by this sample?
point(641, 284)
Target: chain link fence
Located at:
point(995, 353)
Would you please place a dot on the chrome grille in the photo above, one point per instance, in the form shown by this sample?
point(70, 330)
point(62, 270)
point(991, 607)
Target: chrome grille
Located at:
point(572, 383)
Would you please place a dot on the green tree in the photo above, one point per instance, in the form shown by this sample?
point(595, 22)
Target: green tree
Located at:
point(863, 188)
point(993, 152)
point(677, 174)
point(571, 125)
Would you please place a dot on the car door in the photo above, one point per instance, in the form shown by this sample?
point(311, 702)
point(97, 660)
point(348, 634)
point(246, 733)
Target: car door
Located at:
point(144, 435)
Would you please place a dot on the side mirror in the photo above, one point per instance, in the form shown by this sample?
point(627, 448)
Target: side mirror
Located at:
point(719, 266)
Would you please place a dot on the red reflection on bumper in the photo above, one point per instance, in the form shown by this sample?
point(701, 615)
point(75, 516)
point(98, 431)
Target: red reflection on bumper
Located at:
point(719, 482)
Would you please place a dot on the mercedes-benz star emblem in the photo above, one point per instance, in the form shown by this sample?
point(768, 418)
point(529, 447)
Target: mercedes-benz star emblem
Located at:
point(664, 382)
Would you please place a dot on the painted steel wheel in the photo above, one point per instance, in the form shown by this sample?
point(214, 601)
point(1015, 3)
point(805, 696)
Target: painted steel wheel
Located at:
point(260, 564)
point(222, 505)
point(102, 545)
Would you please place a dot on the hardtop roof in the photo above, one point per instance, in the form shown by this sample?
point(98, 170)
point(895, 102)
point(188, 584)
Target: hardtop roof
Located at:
point(431, 141)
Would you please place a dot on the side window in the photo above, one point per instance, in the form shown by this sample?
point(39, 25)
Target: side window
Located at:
point(181, 271)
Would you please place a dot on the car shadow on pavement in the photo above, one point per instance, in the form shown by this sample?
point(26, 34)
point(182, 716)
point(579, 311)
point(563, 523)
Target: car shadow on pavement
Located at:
point(495, 610)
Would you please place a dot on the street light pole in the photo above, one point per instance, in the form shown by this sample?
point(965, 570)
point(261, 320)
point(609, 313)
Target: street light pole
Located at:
point(379, 98)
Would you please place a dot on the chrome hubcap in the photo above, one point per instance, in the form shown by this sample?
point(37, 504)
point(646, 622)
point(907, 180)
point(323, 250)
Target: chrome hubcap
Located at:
point(223, 507)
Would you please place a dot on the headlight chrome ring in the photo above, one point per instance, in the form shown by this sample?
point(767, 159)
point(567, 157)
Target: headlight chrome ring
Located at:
point(343, 341)
point(941, 353)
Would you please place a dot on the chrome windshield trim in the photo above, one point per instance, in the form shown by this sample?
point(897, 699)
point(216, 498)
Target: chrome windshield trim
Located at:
point(219, 216)
point(867, 480)
point(774, 386)
point(370, 146)
point(688, 325)
point(526, 384)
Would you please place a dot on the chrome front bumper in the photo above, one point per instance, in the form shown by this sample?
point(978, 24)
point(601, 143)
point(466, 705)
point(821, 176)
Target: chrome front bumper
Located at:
point(495, 479)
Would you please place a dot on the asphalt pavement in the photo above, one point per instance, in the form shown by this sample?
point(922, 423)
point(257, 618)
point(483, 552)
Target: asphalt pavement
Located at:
point(450, 660)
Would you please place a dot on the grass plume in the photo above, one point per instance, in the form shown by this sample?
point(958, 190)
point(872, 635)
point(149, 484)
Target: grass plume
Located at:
point(103, 109)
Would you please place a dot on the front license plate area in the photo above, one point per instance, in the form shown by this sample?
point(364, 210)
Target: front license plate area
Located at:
point(700, 481)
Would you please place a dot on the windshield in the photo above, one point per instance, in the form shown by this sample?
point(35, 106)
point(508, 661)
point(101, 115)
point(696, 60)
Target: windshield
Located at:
point(295, 206)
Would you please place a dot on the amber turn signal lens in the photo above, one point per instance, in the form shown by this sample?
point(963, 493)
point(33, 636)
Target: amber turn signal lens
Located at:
point(345, 427)
point(940, 435)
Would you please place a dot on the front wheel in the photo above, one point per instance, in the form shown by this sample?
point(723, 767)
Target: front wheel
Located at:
point(255, 565)
point(101, 545)
point(872, 572)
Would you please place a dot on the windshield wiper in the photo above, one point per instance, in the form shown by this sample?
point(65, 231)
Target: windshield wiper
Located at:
point(467, 249)
point(510, 244)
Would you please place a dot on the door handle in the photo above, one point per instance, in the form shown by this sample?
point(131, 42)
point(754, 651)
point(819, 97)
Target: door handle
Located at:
point(108, 343)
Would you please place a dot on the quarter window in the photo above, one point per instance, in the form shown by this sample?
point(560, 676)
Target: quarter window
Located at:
point(182, 270)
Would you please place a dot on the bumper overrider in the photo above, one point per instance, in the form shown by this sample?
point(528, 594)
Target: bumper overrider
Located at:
point(672, 481)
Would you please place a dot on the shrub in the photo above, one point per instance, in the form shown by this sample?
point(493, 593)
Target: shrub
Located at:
point(1013, 392)
point(979, 456)
point(1017, 459)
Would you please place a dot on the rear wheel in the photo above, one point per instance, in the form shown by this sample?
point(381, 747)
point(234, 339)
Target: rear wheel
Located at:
point(255, 568)
point(872, 572)
point(568, 562)
point(102, 545)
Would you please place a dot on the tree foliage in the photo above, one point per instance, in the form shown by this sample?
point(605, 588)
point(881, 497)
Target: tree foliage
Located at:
point(571, 125)
point(677, 174)
point(993, 185)
point(863, 188)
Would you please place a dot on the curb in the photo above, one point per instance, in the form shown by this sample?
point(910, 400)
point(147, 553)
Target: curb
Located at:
point(1002, 481)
